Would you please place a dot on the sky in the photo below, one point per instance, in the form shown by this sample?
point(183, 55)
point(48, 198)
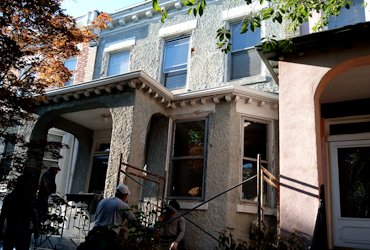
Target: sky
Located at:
point(77, 8)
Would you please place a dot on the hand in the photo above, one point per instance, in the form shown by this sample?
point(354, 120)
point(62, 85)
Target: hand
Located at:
point(173, 245)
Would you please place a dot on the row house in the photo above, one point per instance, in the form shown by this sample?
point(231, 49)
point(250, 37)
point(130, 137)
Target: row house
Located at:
point(162, 98)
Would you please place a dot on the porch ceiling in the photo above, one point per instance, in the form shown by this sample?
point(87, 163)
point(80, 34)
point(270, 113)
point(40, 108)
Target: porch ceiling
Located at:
point(94, 119)
point(351, 85)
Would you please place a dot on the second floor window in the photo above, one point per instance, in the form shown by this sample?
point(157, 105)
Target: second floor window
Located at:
point(175, 63)
point(244, 58)
point(118, 63)
point(71, 64)
point(355, 14)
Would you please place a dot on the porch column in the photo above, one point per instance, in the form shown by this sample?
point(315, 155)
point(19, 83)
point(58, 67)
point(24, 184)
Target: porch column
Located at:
point(299, 176)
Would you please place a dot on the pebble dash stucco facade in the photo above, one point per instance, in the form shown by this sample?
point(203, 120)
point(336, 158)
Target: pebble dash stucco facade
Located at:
point(133, 115)
point(161, 97)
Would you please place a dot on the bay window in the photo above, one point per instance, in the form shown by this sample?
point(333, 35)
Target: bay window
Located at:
point(188, 159)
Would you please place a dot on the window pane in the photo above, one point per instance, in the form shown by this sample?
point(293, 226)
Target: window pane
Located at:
point(245, 60)
point(189, 139)
point(354, 181)
point(187, 165)
point(355, 14)
point(246, 40)
point(187, 178)
point(71, 65)
point(255, 142)
point(255, 139)
point(176, 79)
point(245, 63)
point(118, 63)
point(176, 54)
point(249, 188)
point(175, 63)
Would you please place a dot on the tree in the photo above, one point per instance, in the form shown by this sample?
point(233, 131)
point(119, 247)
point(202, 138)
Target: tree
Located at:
point(293, 12)
point(35, 38)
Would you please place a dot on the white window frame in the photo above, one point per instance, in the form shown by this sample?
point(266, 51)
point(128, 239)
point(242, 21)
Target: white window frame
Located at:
point(250, 206)
point(163, 73)
point(250, 78)
point(117, 47)
point(170, 158)
point(109, 57)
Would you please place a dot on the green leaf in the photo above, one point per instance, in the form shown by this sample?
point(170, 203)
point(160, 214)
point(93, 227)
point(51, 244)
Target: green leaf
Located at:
point(200, 11)
point(156, 6)
point(267, 13)
point(244, 27)
point(195, 12)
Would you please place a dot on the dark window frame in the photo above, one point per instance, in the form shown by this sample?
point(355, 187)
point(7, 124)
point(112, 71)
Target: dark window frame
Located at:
point(188, 157)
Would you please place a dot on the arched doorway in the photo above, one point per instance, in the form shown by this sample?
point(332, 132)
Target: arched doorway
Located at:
point(345, 109)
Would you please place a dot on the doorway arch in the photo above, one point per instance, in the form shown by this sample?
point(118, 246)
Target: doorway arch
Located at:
point(342, 99)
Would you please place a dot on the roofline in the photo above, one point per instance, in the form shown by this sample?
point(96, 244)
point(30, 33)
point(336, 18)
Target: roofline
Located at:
point(141, 81)
point(315, 40)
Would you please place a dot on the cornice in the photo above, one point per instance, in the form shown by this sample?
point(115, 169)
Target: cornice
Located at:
point(140, 81)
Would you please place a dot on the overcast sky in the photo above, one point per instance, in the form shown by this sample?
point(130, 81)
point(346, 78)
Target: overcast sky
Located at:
point(77, 8)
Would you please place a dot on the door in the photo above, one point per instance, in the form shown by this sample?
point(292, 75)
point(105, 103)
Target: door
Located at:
point(350, 188)
point(98, 174)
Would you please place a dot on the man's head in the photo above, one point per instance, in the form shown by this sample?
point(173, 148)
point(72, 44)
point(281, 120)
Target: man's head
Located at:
point(55, 169)
point(174, 205)
point(122, 191)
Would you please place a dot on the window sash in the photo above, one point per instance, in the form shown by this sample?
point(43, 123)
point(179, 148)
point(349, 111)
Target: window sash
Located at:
point(188, 160)
point(118, 63)
point(253, 132)
point(175, 62)
point(244, 60)
point(244, 63)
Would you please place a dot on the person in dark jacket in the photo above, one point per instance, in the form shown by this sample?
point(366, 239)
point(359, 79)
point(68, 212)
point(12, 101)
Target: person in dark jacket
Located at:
point(47, 187)
point(17, 214)
point(173, 229)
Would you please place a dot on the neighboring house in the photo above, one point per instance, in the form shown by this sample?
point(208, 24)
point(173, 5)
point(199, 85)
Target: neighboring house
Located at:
point(162, 97)
point(324, 133)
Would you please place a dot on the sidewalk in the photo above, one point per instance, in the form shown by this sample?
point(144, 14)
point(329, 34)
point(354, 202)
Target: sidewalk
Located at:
point(55, 242)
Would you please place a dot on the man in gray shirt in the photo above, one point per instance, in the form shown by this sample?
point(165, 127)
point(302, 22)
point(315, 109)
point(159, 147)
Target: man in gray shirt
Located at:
point(109, 220)
point(112, 212)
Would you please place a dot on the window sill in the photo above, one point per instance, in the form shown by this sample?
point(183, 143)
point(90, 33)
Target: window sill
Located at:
point(252, 209)
point(191, 204)
point(249, 80)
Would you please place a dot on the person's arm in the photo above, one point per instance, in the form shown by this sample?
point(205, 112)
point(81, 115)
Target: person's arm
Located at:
point(181, 229)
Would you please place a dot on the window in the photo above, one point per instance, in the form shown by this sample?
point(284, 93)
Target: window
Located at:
point(187, 169)
point(175, 63)
point(355, 14)
point(70, 64)
point(118, 63)
point(52, 152)
point(255, 142)
point(244, 58)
